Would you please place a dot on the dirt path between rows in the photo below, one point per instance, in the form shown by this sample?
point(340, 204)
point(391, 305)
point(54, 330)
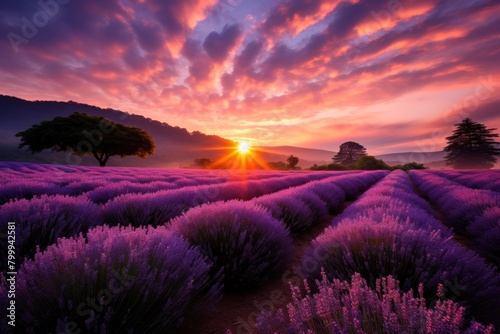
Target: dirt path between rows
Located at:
point(238, 311)
point(457, 237)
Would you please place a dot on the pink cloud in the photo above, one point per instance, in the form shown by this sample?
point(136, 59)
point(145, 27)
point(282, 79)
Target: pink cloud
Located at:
point(313, 69)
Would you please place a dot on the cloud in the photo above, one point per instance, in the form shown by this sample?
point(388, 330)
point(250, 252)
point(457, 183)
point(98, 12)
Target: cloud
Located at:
point(321, 69)
point(217, 45)
point(294, 16)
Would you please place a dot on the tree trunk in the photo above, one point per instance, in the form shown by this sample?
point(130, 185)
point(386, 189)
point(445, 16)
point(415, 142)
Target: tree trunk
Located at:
point(103, 158)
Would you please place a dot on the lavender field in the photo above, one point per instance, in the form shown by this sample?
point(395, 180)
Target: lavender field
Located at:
point(143, 250)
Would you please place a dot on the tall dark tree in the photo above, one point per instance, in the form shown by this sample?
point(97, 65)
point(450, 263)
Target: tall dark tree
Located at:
point(82, 135)
point(349, 153)
point(471, 146)
point(292, 161)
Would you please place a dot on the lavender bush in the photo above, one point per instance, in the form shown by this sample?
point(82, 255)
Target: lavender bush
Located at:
point(353, 184)
point(26, 189)
point(116, 280)
point(76, 188)
point(484, 179)
point(471, 212)
point(151, 209)
point(313, 202)
point(293, 212)
point(41, 221)
point(353, 307)
point(331, 194)
point(106, 193)
point(485, 235)
point(157, 208)
point(412, 255)
point(393, 197)
point(303, 206)
point(240, 237)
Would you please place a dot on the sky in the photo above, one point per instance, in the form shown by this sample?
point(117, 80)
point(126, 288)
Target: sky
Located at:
point(391, 75)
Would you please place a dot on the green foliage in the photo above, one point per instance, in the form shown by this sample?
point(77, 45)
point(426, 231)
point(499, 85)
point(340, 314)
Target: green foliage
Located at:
point(471, 146)
point(82, 134)
point(369, 163)
point(292, 162)
point(410, 166)
point(329, 167)
point(349, 153)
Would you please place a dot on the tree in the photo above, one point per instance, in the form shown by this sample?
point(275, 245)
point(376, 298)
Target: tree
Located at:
point(292, 161)
point(471, 146)
point(349, 153)
point(202, 162)
point(82, 135)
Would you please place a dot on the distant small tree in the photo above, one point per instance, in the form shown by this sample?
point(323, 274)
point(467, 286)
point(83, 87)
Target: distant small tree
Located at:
point(471, 146)
point(349, 153)
point(87, 135)
point(202, 162)
point(292, 161)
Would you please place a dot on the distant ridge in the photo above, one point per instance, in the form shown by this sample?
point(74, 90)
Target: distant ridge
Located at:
point(176, 146)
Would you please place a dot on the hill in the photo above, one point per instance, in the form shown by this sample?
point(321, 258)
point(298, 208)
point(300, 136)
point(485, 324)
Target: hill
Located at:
point(175, 146)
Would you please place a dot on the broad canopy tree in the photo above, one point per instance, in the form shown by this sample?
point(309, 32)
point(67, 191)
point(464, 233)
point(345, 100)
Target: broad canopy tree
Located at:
point(471, 146)
point(349, 153)
point(292, 161)
point(82, 134)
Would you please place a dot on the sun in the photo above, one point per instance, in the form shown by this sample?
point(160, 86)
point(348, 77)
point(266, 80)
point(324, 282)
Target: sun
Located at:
point(243, 147)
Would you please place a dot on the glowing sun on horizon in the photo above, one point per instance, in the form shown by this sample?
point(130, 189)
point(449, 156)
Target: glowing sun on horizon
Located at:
point(243, 147)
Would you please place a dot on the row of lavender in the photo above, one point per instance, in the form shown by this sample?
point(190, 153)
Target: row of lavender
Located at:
point(129, 173)
point(153, 276)
point(473, 213)
point(41, 220)
point(478, 179)
point(103, 185)
point(390, 236)
point(249, 249)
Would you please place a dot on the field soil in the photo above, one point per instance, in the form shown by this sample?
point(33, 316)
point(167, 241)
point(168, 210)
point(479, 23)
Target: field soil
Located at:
point(238, 311)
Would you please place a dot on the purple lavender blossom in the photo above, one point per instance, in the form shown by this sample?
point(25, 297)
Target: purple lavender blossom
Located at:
point(241, 238)
point(471, 212)
point(354, 307)
point(116, 280)
point(41, 221)
point(293, 212)
point(412, 255)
